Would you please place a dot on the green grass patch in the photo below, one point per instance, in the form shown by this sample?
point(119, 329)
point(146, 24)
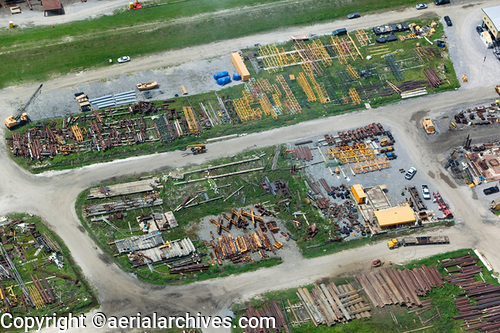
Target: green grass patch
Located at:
point(46, 51)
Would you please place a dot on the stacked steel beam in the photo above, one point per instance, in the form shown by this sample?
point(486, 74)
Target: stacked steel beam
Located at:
point(392, 286)
point(268, 310)
point(480, 307)
point(431, 76)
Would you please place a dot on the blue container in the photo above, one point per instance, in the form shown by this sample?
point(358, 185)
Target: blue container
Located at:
point(223, 80)
point(220, 74)
point(236, 77)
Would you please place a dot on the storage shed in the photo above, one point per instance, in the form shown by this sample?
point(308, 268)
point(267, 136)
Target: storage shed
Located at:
point(52, 6)
point(358, 193)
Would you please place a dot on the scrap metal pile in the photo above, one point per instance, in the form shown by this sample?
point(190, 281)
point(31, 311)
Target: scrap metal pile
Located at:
point(120, 205)
point(480, 115)
point(475, 164)
point(239, 248)
point(394, 286)
point(339, 210)
point(479, 307)
point(15, 248)
point(139, 123)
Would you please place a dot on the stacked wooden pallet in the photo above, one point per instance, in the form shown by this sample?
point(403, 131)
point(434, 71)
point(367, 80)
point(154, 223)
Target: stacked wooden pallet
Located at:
point(392, 286)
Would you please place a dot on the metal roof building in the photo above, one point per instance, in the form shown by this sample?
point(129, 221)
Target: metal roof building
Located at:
point(395, 217)
point(491, 18)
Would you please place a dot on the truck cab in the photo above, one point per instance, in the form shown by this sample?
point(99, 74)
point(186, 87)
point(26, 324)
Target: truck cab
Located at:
point(392, 244)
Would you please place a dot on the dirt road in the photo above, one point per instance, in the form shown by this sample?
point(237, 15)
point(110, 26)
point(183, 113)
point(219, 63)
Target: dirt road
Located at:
point(52, 195)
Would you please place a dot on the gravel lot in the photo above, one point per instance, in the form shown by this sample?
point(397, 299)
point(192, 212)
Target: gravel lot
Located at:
point(197, 77)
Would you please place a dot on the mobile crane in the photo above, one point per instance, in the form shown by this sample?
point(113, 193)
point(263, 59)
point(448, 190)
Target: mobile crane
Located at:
point(21, 117)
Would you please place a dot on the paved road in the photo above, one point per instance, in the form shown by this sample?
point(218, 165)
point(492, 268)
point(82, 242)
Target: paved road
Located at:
point(52, 196)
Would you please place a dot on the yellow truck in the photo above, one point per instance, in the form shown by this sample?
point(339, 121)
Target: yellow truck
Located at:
point(428, 126)
point(419, 240)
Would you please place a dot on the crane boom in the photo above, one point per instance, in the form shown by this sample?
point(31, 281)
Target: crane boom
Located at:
point(25, 106)
point(21, 117)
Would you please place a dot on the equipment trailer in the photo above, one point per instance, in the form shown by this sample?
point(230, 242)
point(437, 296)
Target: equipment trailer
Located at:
point(419, 240)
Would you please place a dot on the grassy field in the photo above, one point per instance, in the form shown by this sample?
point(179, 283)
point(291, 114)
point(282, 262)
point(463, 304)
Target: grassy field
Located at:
point(71, 297)
point(46, 52)
point(381, 320)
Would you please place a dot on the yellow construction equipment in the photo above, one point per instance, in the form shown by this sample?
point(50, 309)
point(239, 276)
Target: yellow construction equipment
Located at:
point(428, 126)
point(393, 244)
point(197, 149)
point(21, 116)
point(167, 244)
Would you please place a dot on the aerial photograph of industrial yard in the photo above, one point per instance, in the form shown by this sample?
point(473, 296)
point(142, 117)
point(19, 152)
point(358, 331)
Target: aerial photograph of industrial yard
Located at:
point(250, 166)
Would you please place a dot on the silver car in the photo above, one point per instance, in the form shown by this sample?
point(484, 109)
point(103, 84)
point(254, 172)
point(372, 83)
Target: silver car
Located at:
point(123, 59)
point(425, 192)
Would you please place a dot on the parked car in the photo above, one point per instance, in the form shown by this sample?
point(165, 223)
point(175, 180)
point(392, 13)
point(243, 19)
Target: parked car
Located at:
point(123, 59)
point(339, 32)
point(479, 29)
point(421, 6)
point(441, 2)
point(410, 173)
point(448, 21)
point(353, 15)
point(491, 190)
point(425, 192)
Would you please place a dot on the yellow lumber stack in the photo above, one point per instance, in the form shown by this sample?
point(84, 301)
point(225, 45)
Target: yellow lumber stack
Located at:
point(354, 96)
point(276, 100)
point(294, 105)
point(191, 120)
point(249, 98)
point(78, 134)
point(277, 90)
point(271, 58)
point(304, 84)
point(242, 109)
point(320, 90)
point(362, 37)
point(353, 73)
point(264, 84)
point(320, 53)
point(338, 50)
point(351, 154)
point(267, 107)
point(353, 44)
point(36, 297)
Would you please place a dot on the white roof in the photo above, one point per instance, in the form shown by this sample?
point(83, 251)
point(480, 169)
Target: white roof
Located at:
point(493, 13)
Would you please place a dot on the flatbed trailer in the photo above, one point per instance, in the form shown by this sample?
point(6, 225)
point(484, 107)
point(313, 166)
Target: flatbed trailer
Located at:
point(425, 240)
